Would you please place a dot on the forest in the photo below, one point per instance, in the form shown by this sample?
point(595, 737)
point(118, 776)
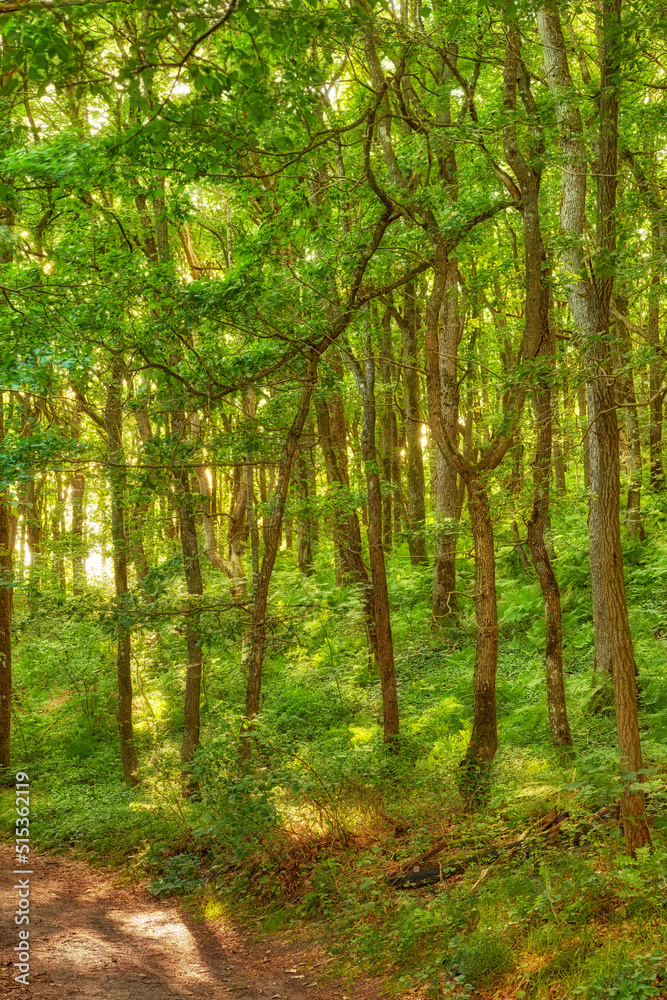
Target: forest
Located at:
point(333, 509)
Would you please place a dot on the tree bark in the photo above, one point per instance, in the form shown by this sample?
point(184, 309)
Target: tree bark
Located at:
point(444, 599)
point(585, 433)
point(236, 538)
point(33, 521)
point(416, 503)
point(633, 516)
point(384, 650)
point(255, 658)
point(656, 391)
point(117, 483)
point(346, 521)
point(538, 333)
point(304, 525)
point(387, 432)
point(559, 464)
point(138, 516)
point(58, 563)
point(557, 707)
point(484, 738)
point(590, 307)
point(77, 496)
point(192, 569)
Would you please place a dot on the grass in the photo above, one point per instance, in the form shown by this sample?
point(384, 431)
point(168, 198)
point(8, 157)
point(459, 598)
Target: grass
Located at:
point(309, 834)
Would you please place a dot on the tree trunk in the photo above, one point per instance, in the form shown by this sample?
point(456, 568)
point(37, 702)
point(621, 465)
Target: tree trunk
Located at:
point(633, 517)
point(57, 534)
point(557, 707)
point(559, 464)
point(192, 569)
point(263, 496)
point(656, 392)
point(416, 505)
point(384, 649)
point(590, 308)
point(77, 495)
point(141, 508)
point(255, 658)
point(387, 434)
point(445, 602)
point(139, 557)
point(346, 521)
point(305, 548)
point(33, 521)
point(618, 637)
point(483, 744)
point(236, 538)
point(232, 566)
point(339, 324)
point(585, 433)
point(117, 483)
point(519, 549)
point(603, 412)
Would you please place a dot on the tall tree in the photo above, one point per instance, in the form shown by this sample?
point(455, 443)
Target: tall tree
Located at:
point(589, 300)
point(113, 426)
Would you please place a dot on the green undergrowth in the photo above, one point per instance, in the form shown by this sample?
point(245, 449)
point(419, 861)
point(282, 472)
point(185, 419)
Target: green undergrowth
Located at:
point(310, 831)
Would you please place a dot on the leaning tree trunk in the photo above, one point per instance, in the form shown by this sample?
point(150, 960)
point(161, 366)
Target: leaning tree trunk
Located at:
point(255, 659)
point(117, 483)
point(339, 324)
point(539, 515)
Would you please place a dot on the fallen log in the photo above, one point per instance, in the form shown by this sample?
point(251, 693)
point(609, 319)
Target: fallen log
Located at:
point(546, 827)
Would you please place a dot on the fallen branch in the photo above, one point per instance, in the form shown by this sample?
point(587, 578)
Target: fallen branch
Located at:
point(546, 826)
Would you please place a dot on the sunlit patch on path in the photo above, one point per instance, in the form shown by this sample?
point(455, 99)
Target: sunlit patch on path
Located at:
point(93, 939)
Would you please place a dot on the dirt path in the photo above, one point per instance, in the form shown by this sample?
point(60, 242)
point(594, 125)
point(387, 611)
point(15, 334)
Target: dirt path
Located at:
point(92, 939)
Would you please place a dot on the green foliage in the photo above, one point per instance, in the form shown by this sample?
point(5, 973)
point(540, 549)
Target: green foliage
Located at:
point(641, 978)
point(237, 804)
point(181, 874)
point(479, 958)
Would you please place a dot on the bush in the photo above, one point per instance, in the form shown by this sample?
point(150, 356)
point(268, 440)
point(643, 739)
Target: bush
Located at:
point(637, 979)
point(237, 808)
point(479, 958)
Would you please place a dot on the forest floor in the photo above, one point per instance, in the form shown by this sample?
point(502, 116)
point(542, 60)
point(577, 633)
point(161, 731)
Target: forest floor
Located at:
point(95, 938)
